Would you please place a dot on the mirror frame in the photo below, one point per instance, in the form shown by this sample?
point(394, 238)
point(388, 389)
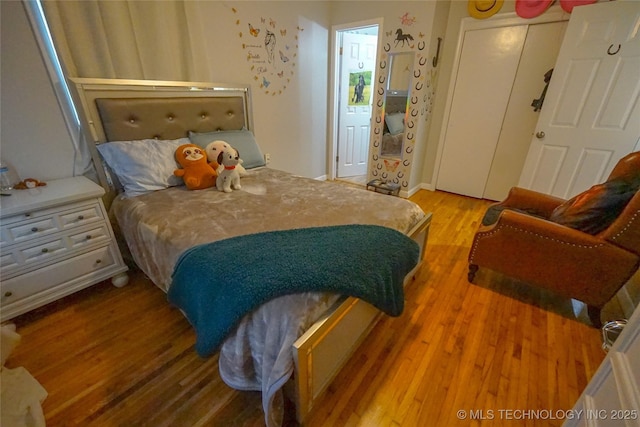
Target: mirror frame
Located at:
point(397, 169)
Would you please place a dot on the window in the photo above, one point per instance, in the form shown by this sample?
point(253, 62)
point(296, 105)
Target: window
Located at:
point(45, 41)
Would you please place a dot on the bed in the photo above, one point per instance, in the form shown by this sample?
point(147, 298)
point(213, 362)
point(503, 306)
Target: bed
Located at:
point(296, 342)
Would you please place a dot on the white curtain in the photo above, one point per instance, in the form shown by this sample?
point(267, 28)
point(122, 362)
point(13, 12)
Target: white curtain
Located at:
point(150, 40)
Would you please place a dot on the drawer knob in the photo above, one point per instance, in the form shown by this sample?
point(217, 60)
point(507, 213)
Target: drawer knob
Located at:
point(8, 294)
point(80, 217)
point(34, 229)
point(98, 261)
point(45, 250)
point(88, 236)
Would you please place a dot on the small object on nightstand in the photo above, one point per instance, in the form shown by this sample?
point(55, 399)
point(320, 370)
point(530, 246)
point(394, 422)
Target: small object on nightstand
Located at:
point(8, 176)
point(383, 187)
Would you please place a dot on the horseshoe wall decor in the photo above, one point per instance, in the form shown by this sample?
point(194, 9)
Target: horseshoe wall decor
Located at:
point(387, 47)
point(419, 86)
point(411, 124)
point(613, 53)
point(380, 90)
point(384, 175)
point(383, 64)
point(414, 113)
point(400, 174)
point(375, 157)
point(414, 100)
point(418, 75)
point(421, 45)
point(409, 150)
point(422, 60)
point(410, 136)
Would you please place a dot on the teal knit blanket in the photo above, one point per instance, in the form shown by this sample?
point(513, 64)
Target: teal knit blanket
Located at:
point(217, 283)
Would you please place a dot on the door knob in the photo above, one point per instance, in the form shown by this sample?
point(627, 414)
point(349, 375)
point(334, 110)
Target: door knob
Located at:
point(540, 135)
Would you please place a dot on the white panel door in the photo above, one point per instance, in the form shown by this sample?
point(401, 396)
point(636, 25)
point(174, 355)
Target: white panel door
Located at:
point(486, 72)
point(358, 58)
point(591, 116)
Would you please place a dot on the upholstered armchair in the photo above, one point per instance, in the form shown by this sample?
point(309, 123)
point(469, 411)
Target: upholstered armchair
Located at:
point(585, 248)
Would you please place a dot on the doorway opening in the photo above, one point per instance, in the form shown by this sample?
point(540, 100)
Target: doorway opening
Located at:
point(355, 48)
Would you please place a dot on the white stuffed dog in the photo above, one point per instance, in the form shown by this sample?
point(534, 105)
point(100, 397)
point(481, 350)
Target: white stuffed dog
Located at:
point(214, 148)
point(228, 178)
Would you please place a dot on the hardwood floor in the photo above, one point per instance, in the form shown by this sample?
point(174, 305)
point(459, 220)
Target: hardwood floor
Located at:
point(124, 357)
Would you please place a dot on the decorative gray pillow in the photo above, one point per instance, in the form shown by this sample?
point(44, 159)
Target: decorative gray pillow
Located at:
point(241, 140)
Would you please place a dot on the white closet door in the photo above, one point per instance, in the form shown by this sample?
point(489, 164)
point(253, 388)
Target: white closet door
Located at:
point(486, 72)
point(538, 56)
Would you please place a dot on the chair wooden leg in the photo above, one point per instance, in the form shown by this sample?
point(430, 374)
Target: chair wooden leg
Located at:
point(594, 316)
point(473, 269)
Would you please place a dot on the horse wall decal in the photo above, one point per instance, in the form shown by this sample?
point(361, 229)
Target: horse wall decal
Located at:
point(404, 38)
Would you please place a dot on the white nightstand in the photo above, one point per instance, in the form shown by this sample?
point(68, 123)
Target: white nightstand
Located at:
point(54, 240)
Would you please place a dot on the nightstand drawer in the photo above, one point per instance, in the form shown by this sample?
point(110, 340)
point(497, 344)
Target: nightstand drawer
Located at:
point(89, 237)
point(53, 275)
point(21, 228)
point(81, 216)
point(56, 248)
point(22, 232)
point(28, 254)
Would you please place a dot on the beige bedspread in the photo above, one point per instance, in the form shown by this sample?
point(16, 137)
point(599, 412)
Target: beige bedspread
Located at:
point(161, 225)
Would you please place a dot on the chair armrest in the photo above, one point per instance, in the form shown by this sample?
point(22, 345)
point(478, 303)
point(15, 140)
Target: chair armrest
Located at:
point(519, 224)
point(529, 200)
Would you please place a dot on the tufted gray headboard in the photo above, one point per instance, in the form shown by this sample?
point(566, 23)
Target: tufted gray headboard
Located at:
point(114, 109)
point(167, 118)
point(117, 110)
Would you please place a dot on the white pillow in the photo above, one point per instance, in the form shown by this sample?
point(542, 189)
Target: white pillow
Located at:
point(143, 166)
point(395, 122)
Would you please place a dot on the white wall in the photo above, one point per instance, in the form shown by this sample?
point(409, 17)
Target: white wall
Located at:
point(290, 123)
point(33, 134)
point(291, 126)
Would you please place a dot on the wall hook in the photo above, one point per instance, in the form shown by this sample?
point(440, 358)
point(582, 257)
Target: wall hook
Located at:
point(435, 58)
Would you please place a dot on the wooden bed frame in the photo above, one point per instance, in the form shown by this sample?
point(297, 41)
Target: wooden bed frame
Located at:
point(168, 110)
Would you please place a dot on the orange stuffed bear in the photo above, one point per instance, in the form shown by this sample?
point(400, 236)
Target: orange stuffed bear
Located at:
point(196, 172)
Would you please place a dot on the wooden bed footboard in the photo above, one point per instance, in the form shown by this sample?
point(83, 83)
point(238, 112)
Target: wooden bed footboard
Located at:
point(325, 348)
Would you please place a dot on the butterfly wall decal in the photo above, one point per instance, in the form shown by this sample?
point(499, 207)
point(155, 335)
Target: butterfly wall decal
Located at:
point(254, 31)
point(390, 165)
point(283, 57)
